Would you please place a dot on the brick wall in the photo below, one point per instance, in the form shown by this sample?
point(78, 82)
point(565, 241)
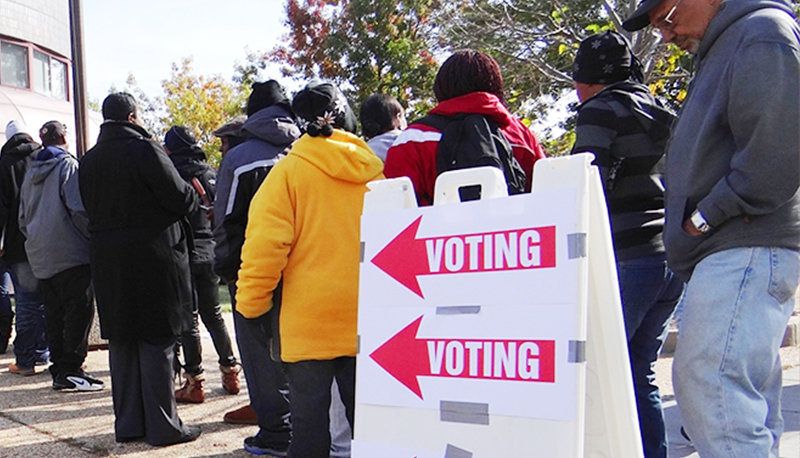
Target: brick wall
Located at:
point(42, 22)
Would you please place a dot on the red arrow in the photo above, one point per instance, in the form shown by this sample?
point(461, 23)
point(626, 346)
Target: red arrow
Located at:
point(407, 256)
point(404, 258)
point(407, 357)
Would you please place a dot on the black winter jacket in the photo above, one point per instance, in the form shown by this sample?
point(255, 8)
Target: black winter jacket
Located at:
point(191, 163)
point(16, 157)
point(136, 203)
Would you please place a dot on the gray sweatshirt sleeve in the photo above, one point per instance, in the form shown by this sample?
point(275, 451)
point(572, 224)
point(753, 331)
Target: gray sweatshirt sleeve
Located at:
point(71, 196)
point(764, 118)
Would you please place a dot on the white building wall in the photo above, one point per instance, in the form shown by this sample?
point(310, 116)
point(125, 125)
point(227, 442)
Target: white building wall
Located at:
point(42, 22)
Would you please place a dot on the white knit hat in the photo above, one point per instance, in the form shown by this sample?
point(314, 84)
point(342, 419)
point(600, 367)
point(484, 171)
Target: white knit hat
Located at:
point(15, 127)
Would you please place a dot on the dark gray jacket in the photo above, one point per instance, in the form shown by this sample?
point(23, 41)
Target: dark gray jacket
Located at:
point(735, 150)
point(270, 131)
point(627, 130)
point(51, 214)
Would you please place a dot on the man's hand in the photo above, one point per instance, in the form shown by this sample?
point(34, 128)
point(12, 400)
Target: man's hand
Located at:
point(689, 228)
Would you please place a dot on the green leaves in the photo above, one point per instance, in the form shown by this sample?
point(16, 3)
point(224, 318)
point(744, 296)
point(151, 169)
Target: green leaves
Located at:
point(535, 43)
point(366, 46)
point(199, 103)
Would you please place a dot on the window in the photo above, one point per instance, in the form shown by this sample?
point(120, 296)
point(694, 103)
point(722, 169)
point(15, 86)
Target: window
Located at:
point(59, 72)
point(41, 72)
point(48, 74)
point(14, 65)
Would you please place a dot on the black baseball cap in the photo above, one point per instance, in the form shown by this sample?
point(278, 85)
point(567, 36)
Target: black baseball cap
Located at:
point(640, 18)
point(52, 133)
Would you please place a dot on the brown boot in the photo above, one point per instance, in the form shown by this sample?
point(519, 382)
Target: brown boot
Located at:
point(230, 378)
point(191, 391)
point(241, 416)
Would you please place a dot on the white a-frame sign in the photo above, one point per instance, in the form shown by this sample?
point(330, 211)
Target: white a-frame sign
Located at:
point(492, 328)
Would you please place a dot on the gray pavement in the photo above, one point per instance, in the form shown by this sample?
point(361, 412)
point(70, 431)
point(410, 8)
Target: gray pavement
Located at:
point(790, 406)
point(36, 421)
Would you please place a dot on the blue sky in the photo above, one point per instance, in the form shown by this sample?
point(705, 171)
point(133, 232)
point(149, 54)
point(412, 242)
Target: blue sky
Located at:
point(145, 37)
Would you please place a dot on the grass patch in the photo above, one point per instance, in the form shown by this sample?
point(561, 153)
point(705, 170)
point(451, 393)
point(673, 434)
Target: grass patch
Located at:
point(225, 299)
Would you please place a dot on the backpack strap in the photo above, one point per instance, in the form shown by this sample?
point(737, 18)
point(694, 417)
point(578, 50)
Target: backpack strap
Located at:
point(438, 122)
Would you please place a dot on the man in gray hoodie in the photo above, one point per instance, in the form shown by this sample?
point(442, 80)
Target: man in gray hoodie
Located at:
point(55, 226)
point(733, 214)
point(270, 130)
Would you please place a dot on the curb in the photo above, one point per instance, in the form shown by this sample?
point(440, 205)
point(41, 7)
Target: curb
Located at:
point(791, 338)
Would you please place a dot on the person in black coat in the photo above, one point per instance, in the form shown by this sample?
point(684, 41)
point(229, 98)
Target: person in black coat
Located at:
point(139, 253)
point(190, 161)
point(30, 343)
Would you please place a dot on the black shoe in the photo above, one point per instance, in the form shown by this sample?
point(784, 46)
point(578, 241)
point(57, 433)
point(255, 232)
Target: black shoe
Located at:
point(5, 332)
point(61, 383)
point(124, 440)
point(77, 381)
point(190, 433)
point(256, 446)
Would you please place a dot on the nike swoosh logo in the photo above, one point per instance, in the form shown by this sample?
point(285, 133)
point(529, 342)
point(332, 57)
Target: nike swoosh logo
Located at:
point(83, 384)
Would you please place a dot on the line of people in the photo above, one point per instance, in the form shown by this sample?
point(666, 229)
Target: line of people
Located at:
point(284, 220)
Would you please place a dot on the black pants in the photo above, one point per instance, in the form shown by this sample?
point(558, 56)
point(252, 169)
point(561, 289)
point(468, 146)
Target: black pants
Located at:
point(310, 387)
point(142, 389)
point(68, 315)
point(206, 290)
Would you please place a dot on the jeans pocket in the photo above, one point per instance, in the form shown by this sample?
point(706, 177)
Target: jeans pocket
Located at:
point(785, 273)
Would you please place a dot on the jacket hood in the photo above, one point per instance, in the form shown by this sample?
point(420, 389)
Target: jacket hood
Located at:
point(732, 10)
point(482, 103)
point(191, 160)
point(650, 112)
point(343, 156)
point(20, 144)
point(273, 124)
point(50, 152)
point(41, 169)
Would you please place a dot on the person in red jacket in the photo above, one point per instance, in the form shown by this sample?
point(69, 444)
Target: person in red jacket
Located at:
point(469, 81)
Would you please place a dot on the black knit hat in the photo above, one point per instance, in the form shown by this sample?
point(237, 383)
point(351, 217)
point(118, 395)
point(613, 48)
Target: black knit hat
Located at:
point(323, 107)
point(605, 58)
point(265, 95)
point(178, 137)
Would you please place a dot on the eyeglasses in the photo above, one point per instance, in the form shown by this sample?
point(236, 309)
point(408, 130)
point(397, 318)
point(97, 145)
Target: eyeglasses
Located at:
point(667, 22)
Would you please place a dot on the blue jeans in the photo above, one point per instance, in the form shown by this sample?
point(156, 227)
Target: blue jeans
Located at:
point(266, 384)
point(727, 370)
point(310, 383)
point(650, 292)
point(5, 299)
point(30, 345)
point(6, 313)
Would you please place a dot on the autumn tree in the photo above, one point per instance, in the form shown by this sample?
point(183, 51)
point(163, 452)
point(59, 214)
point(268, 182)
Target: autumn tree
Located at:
point(199, 103)
point(149, 112)
point(535, 42)
point(364, 46)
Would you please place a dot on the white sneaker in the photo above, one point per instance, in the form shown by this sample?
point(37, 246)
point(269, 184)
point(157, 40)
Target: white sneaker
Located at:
point(80, 382)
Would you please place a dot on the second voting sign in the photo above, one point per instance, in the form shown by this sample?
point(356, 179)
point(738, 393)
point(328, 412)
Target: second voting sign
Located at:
point(474, 304)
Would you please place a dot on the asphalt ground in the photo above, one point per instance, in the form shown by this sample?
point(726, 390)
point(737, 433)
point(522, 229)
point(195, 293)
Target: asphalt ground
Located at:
point(36, 421)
